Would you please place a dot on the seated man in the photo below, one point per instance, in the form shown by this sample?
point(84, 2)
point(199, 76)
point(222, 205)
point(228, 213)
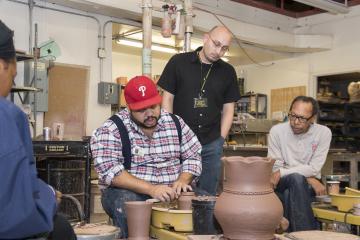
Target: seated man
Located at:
point(164, 156)
point(27, 204)
point(299, 147)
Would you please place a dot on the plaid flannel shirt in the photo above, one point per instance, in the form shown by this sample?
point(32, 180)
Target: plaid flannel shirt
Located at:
point(159, 159)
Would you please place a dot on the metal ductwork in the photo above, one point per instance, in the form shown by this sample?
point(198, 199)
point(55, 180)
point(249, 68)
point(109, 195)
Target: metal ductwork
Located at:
point(327, 5)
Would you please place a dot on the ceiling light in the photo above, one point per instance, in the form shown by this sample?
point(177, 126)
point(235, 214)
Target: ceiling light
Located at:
point(138, 44)
point(225, 59)
point(163, 49)
point(327, 5)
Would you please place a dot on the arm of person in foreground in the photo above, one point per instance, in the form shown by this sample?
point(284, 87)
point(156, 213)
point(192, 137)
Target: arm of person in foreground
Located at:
point(27, 204)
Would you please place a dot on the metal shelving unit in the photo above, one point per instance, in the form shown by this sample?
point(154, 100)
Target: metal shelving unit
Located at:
point(33, 90)
point(253, 103)
point(24, 91)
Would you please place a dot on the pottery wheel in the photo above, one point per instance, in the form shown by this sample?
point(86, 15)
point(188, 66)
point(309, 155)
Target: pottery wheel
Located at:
point(320, 235)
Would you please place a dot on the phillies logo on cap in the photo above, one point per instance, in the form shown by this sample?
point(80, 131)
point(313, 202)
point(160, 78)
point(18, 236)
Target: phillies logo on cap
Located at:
point(142, 89)
point(140, 93)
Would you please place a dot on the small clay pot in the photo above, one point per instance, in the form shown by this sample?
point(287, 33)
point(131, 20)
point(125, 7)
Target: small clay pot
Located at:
point(184, 201)
point(333, 187)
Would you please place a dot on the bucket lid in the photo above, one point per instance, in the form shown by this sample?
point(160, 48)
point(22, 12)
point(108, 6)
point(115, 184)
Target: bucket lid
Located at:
point(332, 182)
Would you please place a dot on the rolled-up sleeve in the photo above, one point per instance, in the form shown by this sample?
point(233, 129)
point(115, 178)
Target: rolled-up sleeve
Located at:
point(190, 151)
point(106, 149)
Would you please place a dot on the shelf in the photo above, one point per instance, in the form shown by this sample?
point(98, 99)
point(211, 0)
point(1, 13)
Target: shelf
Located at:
point(24, 89)
point(327, 119)
point(336, 104)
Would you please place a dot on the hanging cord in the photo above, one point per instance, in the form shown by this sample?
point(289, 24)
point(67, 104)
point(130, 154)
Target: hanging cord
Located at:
point(236, 39)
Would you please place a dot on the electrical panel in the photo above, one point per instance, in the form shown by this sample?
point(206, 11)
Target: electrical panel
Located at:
point(42, 83)
point(108, 93)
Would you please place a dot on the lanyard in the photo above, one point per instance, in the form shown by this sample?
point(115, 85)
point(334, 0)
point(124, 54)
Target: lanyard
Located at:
point(205, 78)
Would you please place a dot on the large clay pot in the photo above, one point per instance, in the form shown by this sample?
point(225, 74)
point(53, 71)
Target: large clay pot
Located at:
point(138, 219)
point(248, 208)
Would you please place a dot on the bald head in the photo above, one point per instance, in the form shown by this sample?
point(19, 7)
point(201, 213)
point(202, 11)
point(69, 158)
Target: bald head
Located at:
point(220, 30)
point(216, 43)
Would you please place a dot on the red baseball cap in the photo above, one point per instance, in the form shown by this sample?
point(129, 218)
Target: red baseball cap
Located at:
point(141, 92)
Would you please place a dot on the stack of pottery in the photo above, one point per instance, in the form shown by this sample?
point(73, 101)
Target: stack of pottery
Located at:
point(248, 208)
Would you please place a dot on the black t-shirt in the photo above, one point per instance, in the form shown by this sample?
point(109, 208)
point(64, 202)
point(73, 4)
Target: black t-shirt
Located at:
point(183, 78)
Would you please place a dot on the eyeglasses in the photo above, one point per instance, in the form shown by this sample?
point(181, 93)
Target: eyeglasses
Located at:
point(217, 44)
point(301, 119)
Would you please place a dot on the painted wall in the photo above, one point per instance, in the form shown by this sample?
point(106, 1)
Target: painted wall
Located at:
point(129, 65)
point(304, 69)
point(77, 37)
point(78, 40)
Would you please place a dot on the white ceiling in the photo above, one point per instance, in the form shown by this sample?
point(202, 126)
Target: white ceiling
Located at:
point(236, 54)
point(265, 36)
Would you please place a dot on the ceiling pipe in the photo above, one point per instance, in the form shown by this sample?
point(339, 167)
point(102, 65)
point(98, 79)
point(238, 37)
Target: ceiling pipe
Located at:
point(31, 19)
point(327, 5)
point(188, 25)
point(147, 37)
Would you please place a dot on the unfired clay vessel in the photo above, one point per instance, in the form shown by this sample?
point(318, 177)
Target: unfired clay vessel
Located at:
point(184, 201)
point(333, 187)
point(138, 219)
point(248, 208)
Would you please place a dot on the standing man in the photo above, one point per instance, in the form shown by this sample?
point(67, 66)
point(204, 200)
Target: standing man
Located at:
point(300, 148)
point(27, 204)
point(203, 89)
point(163, 156)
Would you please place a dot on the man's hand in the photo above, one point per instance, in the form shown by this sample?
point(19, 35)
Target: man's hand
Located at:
point(58, 195)
point(163, 193)
point(275, 178)
point(179, 187)
point(318, 187)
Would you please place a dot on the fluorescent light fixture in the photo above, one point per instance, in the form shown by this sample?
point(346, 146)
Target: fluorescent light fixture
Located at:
point(327, 5)
point(138, 44)
point(163, 49)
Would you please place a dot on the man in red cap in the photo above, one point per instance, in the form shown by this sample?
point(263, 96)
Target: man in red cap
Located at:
point(143, 152)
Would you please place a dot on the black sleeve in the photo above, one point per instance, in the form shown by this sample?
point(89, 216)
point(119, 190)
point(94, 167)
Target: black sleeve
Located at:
point(232, 93)
point(168, 78)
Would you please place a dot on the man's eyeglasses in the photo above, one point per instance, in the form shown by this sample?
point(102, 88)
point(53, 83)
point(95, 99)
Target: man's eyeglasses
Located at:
point(217, 44)
point(301, 119)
